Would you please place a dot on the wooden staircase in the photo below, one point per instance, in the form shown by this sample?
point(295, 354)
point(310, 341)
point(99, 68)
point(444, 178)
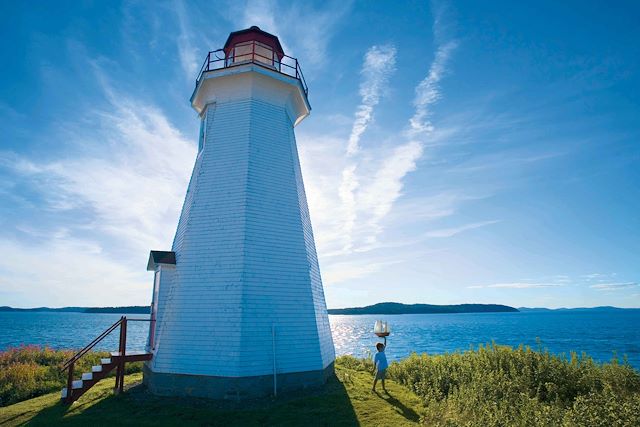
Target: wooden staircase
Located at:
point(117, 361)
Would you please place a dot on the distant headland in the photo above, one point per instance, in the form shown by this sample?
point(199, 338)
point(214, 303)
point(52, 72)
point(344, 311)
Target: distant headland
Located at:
point(133, 309)
point(380, 308)
point(398, 308)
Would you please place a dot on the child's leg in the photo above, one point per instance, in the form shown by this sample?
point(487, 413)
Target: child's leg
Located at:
point(375, 381)
point(383, 386)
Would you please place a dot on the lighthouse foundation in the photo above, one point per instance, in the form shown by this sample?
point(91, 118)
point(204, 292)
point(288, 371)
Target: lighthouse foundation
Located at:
point(165, 384)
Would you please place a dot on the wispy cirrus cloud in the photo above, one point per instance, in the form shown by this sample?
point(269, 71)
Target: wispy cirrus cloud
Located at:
point(115, 195)
point(563, 280)
point(428, 90)
point(134, 190)
point(598, 276)
point(379, 64)
point(340, 272)
point(304, 29)
point(607, 287)
point(517, 285)
point(79, 272)
point(450, 232)
point(388, 184)
point(186, 50)
point(370, 179)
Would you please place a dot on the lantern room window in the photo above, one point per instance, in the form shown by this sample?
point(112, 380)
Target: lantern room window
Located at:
point(252, 51)
point(252, 46)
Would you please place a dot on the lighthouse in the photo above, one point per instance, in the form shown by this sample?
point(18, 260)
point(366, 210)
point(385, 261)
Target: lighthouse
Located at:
point(238, 307)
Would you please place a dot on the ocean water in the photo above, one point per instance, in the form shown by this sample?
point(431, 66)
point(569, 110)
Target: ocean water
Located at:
point(600, 334)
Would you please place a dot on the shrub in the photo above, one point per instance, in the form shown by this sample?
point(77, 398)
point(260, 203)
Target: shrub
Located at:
point(499, 385)
point(31, 371)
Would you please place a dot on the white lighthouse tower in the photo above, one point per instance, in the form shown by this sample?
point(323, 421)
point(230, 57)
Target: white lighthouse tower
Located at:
point(238, 306)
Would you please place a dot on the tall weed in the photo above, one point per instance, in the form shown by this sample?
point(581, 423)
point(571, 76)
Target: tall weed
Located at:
point(495, 385)
point(30, 371)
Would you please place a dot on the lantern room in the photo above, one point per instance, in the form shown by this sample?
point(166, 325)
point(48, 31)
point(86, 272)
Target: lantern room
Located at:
point(253, 45)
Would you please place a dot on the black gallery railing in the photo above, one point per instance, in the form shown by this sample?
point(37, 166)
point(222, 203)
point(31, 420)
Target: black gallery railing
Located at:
point(256, 53)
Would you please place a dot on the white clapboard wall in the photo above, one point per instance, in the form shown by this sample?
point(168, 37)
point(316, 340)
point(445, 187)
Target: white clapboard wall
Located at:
point(245, 255)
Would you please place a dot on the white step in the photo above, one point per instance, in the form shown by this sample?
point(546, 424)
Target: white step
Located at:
point(63, 394)
point(87, 376)
point(105, 361)
point(97, 368)
point(76, 384)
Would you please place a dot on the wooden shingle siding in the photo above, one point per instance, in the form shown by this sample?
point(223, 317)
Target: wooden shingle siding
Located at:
point(245, 256)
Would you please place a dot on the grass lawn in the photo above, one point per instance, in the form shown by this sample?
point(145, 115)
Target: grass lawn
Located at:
point(345, 401)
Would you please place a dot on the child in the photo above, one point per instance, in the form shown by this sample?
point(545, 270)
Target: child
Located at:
point(380, 366)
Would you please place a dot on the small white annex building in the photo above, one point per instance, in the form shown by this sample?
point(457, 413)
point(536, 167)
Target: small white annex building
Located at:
point(238, 306)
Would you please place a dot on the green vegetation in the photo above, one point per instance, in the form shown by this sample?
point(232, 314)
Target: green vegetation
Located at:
point(347, 400)
point(31, 371)
point(502, 386)
point(491, 386)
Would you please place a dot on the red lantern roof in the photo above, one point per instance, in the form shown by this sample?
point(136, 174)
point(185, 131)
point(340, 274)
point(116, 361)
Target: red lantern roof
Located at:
point(253, 34)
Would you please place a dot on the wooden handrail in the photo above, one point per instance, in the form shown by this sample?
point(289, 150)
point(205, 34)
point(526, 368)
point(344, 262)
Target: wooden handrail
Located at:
point(117, 359)
point(92, 344)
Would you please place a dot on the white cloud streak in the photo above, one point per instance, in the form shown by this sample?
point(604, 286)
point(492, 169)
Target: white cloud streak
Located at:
point(116, 198)
point(379, 64)
point(388, 182)
point(186, 51)
point(517, 285)
point(608, 287)
point(450, 232)
point(304, 30)
point(133, 182)
point(66, 272)
point(428, 91)
point(370, 179)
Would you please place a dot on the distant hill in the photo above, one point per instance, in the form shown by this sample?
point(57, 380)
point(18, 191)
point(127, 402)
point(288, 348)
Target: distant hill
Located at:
point(398, 308)
point(380, 308)
point(134, 309)
point(40, 309)
point(137, 309)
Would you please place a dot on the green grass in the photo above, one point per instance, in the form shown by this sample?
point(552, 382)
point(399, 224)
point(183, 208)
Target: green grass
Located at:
point(489, 386)
point(346, 400)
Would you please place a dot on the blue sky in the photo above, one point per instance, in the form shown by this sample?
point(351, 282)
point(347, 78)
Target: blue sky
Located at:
point(456, 152)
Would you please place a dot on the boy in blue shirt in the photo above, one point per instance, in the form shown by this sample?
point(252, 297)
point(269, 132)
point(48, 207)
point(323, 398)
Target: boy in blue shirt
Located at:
point(380, 366)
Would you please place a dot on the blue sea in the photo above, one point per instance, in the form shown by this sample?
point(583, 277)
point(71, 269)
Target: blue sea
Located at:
point(602, 335)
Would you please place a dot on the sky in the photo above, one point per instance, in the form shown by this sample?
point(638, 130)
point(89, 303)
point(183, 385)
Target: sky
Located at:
point(456, 152)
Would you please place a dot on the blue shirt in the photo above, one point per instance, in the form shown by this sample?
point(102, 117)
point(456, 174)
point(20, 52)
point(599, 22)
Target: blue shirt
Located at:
point(380, 361)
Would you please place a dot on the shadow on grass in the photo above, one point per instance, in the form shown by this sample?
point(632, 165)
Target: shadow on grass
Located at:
point(329, 405)
point(402, 409)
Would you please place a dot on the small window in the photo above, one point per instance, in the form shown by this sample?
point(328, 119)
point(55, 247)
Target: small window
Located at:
point(203, 132)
